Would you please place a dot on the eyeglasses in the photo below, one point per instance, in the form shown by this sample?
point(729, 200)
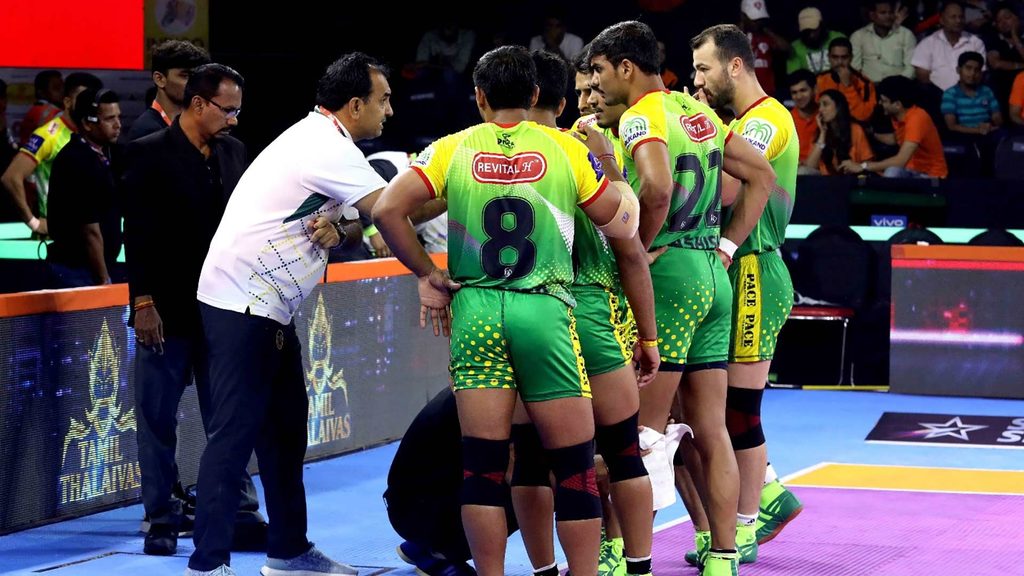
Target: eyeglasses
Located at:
point(229, 112)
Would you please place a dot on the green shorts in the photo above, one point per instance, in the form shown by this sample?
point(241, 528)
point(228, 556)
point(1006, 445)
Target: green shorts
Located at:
point(763, 301)
point(505, 339)
point(607, 331)
point(692, 302)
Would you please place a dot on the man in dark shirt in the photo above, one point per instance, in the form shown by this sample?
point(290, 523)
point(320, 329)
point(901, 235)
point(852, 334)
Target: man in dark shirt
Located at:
point(84, 210)
point(176, 187)
point(172, 62)
point(423, 492)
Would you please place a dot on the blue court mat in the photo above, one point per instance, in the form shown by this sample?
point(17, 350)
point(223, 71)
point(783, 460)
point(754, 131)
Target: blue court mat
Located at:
point(347, 518)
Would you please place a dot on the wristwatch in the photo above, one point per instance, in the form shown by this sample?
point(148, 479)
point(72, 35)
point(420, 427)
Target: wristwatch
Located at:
point(864, 166)
point(342, 234)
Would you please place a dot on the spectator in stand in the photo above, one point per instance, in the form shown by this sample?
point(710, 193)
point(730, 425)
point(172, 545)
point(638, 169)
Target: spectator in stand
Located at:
point(805, 111)
point(173, 60)
point(970, 107)
point(839, 137)
point(556, 38)
point(763, 41)
point(49, 103)
point(920, 152)
point(1005, 53)
point(1017, 101)
point(668, 76)
point(977, 15)
point(858, 90)
point(446, 48)
point(883, 48)
point(810, 51)
point(439, 76)
point(85, 214)
point(936, 56)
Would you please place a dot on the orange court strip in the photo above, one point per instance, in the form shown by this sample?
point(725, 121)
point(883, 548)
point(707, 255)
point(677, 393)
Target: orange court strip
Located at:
point(914, 478)
point(950, 252)
point(94, 297)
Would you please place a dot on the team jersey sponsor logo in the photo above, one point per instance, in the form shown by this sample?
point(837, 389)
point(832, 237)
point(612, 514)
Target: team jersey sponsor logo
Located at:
point(423, 158)
point(490, 168)
point(34, 143)
point(596, 165)
point(53, 127)
point(759, 133)
point(699, 127)
point(634, 129)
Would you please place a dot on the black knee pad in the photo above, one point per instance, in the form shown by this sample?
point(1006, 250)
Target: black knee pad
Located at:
point(531, 465)
point(743, 418)
point(484, 463)
point(576, 496)
point(619, 445)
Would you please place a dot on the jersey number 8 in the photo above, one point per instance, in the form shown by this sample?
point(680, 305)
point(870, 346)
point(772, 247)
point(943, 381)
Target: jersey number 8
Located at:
point(508, 252)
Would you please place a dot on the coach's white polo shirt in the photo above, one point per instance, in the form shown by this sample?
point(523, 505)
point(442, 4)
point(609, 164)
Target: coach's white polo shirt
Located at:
point(262, 258)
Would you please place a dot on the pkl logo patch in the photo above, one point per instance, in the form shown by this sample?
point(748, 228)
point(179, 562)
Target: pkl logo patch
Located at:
point(699, 127)
point(489, 168)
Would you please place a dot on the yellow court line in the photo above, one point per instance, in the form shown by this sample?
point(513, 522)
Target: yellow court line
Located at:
point(881, 477)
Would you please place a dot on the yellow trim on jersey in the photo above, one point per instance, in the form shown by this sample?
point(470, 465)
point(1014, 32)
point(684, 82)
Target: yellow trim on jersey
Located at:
point(581, 369)
point(768, 127)
point(747, 325)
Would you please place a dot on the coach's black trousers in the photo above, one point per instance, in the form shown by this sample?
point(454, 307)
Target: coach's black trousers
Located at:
point(258, 400)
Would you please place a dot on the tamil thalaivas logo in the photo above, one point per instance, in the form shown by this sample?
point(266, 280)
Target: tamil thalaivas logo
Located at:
point(329, 419)
point(93, 463)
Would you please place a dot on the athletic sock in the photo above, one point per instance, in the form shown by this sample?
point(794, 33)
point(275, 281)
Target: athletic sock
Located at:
point(745, 520)
point(638, 565)
point(547, 570)
point(770, 475)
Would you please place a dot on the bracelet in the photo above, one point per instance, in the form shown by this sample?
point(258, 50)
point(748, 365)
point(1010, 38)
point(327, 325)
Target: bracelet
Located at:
point(612, 156)
point(33, 223)
point(648, 342)
point(146, 304)
point(728, 247)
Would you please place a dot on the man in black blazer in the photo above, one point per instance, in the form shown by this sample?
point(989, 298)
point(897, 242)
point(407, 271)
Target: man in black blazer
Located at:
point(176, 186)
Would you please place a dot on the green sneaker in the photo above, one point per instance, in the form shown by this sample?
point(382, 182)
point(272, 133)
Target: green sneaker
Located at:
point(721, 564)
point(778, 508)
point(611, 562)
point(702, 541)
point(746, 543)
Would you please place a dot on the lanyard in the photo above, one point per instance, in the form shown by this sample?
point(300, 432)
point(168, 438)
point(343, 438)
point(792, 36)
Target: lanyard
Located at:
point(98, 150)
point(156, 106)
point(334, 119)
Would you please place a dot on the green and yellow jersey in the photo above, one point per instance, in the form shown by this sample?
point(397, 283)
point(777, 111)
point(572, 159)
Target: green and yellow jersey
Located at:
point(696, 140)
point(512, 193)
point(43, 146)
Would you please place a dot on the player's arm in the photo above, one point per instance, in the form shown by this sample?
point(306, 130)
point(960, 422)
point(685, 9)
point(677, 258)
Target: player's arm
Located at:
point(653, 169)
point(614, 209)
point(13, 179)
point(743, 162)
point(406, 194)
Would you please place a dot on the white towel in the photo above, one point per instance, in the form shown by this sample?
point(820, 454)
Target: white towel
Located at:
point(659, 461)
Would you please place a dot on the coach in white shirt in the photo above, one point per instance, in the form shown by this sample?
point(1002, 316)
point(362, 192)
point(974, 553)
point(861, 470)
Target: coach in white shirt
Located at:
point(936, 56)
point(267, 255)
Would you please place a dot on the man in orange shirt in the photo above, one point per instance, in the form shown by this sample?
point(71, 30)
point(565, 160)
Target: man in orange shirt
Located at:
point(1017, 100)
point(805, 112)
point(858, 90)
point(920, 152)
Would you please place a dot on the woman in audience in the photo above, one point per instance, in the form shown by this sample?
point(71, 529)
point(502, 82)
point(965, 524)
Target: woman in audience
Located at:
point(839, 138)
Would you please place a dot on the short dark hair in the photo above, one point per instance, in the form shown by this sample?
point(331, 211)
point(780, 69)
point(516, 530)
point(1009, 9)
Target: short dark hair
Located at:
point(630, 40)
point(81, 79)
point(347, 78)
point(205, 80)
point(730, 41)
point(581, 63)
point(898, 89)
point(42, 81)
point(970, 56)
point(552, 78)
point(872, 5)
point(841, 42)
point(507, 76)
point(803, 75)
point(177, 54)
point(87, 104)
point(948, 3)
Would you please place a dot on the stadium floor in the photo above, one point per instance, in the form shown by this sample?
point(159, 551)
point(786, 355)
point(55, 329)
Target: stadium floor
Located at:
point(870, 508)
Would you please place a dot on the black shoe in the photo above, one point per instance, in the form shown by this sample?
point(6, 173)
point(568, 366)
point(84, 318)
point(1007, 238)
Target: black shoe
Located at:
point(162, 540)
point(250, 537)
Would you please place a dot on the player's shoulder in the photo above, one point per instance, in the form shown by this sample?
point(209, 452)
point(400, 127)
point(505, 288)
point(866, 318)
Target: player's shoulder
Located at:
point(769, 113)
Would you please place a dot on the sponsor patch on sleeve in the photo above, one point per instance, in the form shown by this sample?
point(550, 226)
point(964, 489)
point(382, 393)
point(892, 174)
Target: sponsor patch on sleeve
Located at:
point(760, 134)
point(634, 130)
point(423, 158)
point(596, 165)
point(35, 142)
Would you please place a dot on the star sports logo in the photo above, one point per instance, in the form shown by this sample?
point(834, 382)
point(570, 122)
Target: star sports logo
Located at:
point(954, 428)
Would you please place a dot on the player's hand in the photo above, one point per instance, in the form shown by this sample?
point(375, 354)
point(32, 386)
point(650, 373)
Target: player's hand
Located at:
point(149, 328)
point(646, 359)
point(325, 234)
point(598, 144)
point(643, 453)
point(655, 254)
point(724, 258)
point(435, 291)
point(379, 247)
